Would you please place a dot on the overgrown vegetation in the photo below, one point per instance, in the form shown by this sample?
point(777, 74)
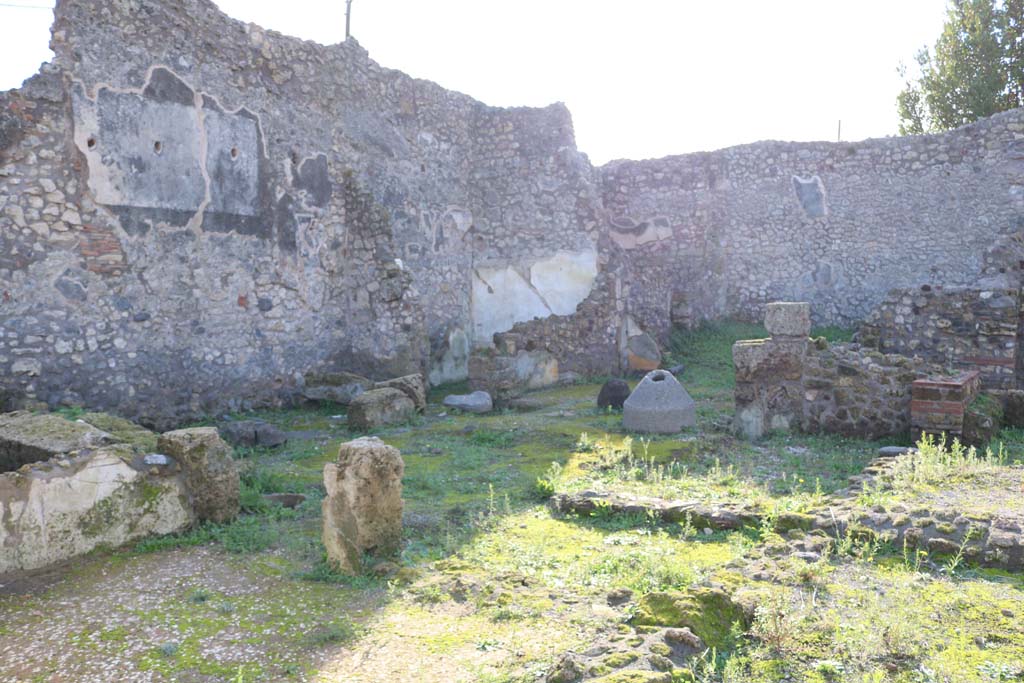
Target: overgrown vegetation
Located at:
point(492, 585)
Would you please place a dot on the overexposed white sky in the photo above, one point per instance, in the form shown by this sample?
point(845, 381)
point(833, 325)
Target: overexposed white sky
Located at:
point(643, 78)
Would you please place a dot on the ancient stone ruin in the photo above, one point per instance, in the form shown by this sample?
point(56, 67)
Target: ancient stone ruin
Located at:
point(791, 382)
point(298, 210)
point(203, 222)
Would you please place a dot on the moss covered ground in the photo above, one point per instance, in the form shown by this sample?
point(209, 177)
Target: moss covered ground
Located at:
point(492, 586)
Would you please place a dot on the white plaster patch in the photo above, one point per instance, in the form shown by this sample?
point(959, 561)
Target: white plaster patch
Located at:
point(502, 296)
point(565, 279)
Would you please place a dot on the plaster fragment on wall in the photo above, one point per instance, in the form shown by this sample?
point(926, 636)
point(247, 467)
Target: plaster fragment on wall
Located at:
point(629, 234)
point(502, 296)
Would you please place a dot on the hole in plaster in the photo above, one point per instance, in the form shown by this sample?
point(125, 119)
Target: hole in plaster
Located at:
point(423, 168)
point(234, 152)
point(294, 156)
point(91, 143)
point(659, 377)
point(158, 147)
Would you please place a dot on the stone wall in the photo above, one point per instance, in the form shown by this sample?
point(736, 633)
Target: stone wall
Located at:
point(954, 327)
point(789, 382)
point(855, 391)
point(835, 224)
point(196, 212)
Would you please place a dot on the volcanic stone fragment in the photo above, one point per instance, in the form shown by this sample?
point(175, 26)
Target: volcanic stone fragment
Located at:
point(613, 394)
point(362, 513)
point(211, 476)
point(379, 407)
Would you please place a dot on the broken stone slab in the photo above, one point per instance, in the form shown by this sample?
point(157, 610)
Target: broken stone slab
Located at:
point(525, 405)
point(412, 386)
point(93, 498)
point(338, 387)
point(252, 433)
point(29, 437)
point(613, 394)
point(659, 405)
point(788, 319)
point(476, 402)
point(211, 476)
point(362, 513)
point(379, 407)
point(642, 353)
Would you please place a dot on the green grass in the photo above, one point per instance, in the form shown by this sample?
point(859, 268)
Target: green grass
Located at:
point(486, 567)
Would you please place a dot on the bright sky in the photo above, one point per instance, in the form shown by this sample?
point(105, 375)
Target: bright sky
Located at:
point(643, 78)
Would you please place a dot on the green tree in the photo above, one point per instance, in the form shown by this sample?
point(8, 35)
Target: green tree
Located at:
point(975, 69)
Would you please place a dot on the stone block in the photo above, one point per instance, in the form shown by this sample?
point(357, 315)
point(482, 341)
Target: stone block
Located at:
point(642, 353)
point(211, 476)
point(659, 405)
point(379, 407)
point(91, 499)
point(788, 319)
point(476, 402)
point(412, 386)
point(362, 513)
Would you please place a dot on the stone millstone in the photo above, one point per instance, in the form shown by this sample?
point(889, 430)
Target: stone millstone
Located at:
point(379, 407)
point(659, 405)
point(613, 394)
point(211, 476)
point(362, 513)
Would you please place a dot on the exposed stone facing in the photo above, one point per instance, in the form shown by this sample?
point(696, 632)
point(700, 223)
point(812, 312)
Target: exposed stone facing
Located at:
point(836, 225)
point(954, 327)
point(293, 206)
point(769, 391)
point(860, 392)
